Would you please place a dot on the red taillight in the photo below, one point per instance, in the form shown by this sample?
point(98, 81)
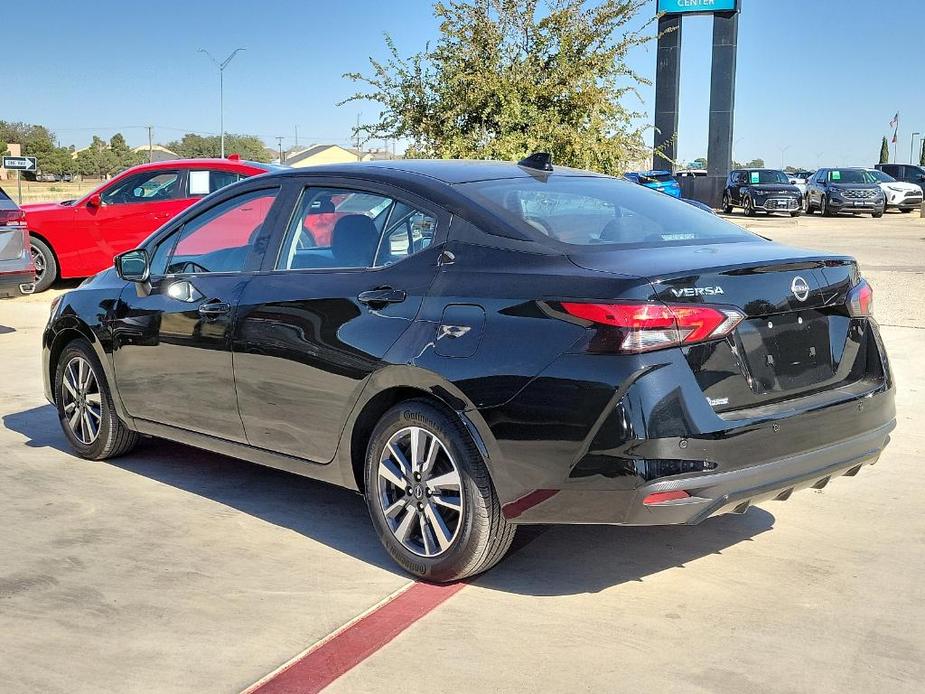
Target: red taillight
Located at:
point(649, 326)
point(860, 300)
point(12, 217)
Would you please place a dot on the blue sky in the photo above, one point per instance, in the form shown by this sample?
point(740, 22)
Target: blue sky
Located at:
point(819, 77)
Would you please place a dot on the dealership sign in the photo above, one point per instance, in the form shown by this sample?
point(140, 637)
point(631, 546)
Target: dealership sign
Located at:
point(692, 6)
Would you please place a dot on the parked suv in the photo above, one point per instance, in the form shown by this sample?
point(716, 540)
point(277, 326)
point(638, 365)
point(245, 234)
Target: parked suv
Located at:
point(844, 190)
point(78, 238)
point(899, 194)
point(761, 189)
point(17, 273)
point(910, 173)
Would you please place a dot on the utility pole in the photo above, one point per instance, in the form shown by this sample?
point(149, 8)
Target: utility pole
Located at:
point(150, 143)
point(296, 136)
point(912, 148)
point(279, 140)
point(221, 88)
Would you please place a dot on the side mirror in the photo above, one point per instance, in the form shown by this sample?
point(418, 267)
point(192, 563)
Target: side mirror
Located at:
point(132, 266)
point(94, 200)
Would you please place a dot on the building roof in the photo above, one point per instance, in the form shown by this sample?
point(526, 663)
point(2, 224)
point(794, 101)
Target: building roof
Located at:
point(313, 151)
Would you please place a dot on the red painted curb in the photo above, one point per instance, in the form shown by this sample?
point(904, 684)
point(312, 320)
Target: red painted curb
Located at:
point(331, 658)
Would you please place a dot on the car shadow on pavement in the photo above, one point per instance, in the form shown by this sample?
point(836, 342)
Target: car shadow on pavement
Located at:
point(559, 560)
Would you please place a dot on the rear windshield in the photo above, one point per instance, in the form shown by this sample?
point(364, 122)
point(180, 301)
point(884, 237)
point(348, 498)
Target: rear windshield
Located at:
point(589, 211)
point(850, 176)
point(659, 178)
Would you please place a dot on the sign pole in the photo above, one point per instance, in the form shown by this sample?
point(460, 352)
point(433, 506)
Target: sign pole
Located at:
point(667, 86)
point(19, 184)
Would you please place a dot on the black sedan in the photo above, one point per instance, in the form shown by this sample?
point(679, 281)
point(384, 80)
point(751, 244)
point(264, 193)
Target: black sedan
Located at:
point(479, 345)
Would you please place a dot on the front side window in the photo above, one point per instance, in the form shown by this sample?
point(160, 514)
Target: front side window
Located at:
point(150, 186)
point(591, 210)
point(218, 240)
point(341, 228)
point(201, 183)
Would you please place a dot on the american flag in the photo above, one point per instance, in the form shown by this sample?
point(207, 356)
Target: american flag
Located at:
point(895, 121)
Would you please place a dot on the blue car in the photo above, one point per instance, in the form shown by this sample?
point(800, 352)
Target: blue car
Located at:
point(657, 180)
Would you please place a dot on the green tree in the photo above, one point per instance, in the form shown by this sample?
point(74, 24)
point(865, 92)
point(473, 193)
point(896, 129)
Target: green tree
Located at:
point(36, 140)
point(192, 146)
point(699, 163)
point(511, 77)
point(97, 159)
point(755, 164)
point(122, 154)
point(884, 152)
point(59, 161)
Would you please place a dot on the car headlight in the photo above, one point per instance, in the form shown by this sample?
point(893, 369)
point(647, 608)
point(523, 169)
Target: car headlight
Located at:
point(895, 189)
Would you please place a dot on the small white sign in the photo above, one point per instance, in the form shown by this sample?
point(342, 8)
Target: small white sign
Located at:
point(199, 183)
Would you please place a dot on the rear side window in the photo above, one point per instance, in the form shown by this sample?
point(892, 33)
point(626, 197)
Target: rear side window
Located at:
point(3, 196)
point(591, 211)
point(341, 228)
point(199, 183)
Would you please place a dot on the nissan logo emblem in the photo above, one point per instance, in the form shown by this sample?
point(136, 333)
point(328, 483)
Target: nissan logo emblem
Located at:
point(800, 288)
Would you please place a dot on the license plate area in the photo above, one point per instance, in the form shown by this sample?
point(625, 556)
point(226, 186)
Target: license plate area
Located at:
point(787, 351)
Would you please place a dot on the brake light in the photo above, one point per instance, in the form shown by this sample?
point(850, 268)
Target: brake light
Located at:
point(649, 326)
point(860, 300)
point(12, 217)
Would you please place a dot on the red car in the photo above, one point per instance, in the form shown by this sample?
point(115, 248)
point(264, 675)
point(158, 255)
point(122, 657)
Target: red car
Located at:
point(78, 238)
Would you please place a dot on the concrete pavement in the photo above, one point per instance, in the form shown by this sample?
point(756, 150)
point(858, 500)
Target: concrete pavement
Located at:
point(177, 570)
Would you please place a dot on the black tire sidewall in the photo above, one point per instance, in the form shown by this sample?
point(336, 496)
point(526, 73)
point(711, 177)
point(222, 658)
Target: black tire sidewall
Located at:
point(51, 264)
point(97, 449)
point(459, 444)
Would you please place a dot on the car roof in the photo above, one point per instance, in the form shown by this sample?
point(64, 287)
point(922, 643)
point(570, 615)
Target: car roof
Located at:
point(199, 163)
point(449, 171)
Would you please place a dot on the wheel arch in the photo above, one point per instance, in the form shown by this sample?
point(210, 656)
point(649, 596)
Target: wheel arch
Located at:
point(398, 384)
point(41, 237)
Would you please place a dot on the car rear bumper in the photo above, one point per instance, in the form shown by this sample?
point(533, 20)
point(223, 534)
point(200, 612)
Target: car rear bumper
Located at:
point(12, 280)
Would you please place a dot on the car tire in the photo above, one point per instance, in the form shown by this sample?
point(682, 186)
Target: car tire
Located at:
point(878, 214)
point(727, 206)
point(905, 210)
point(796, 213)
point(824, 207)
point(46, 265)
point(85, 407)
point(748, 207)
point(408, 523)
point(807, 206)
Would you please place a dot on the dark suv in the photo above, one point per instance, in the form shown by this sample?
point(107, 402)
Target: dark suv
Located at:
point(844, 190)
point(761, 189)
point(910, 173)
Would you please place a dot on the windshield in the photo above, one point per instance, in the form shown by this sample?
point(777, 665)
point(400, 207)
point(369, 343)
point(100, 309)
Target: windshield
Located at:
point(757, 177)
point(880, 176)
point(851, 176)
point(588, 211)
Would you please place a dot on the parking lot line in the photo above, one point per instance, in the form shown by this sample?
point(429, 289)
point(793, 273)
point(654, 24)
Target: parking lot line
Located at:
point(325, 661)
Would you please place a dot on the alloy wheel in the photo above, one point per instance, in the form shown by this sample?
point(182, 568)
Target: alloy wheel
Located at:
point(420, 491)
point(82, 400)
point(38, 259)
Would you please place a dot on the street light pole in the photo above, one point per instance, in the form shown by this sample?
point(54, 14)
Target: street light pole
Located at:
point(782, 150)
point(912, 148)
point(221, 88)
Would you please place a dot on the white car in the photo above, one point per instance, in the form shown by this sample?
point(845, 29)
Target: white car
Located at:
point(901, 195)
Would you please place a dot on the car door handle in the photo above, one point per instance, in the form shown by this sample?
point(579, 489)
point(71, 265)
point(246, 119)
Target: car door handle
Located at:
point(381, 296)
point(214, 308)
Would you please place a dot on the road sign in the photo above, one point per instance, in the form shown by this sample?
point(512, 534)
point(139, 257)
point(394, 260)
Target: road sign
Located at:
point(20, 163)
point(693, 6)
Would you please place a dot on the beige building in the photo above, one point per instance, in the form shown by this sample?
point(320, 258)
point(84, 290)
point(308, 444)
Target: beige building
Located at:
point(321, 154)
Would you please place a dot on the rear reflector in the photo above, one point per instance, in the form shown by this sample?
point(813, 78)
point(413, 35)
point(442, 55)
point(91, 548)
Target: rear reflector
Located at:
point(648, 326)
point(860, 300)
point(662, 497)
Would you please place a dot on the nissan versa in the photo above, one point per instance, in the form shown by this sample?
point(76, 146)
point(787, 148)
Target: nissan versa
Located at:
point(478, 345)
